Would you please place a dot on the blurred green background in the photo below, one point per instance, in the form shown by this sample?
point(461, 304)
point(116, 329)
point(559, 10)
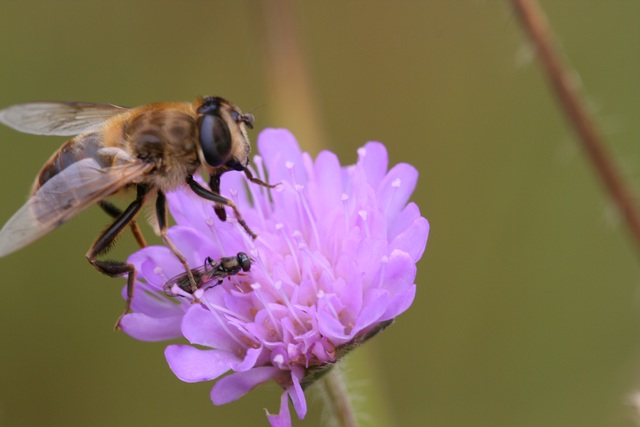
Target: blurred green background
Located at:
point(528, 308)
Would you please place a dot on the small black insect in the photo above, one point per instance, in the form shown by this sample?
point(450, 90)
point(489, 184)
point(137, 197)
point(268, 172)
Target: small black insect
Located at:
point(210, 274)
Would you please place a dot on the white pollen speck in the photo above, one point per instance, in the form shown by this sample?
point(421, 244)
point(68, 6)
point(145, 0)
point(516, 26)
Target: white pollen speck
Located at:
point(396, 183)
point(279, 188)
point(278, 359)
point(279, 226)
point(344, 197)
point(363, 214)
point(255, 286)
point(296, 234)
point(278, 284)
point(210, 221)
point(320, 294)
point(299, 187)
point(289, 165)
point(233, 191)
point(157, 270)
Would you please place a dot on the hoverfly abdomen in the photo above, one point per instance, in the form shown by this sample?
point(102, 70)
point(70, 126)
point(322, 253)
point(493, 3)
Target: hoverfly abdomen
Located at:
point(81, 147)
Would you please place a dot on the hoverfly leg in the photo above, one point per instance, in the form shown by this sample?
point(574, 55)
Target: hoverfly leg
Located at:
point(214, 185)
point(161, 213)
point(217, 198)
point(106, 239)
point(114, 212)
point(258, 181)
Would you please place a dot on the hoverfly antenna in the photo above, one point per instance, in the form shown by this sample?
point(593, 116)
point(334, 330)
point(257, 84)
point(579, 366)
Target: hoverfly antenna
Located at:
point(248, 120)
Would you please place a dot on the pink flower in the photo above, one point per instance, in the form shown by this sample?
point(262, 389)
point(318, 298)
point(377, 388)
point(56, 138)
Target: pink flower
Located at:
point(334, 263)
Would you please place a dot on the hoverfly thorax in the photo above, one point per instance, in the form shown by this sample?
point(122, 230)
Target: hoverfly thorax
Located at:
point(222, 137)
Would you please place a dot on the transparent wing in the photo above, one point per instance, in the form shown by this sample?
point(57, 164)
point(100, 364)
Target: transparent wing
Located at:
point(62, 197)
point(203, 275)
point(58, 118)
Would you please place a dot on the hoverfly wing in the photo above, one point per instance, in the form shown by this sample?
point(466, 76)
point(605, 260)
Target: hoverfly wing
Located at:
point(203, 275)
point(62, 197)
point(58, 118)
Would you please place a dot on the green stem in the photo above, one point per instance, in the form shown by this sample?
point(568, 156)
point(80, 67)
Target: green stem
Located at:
point(336, 399)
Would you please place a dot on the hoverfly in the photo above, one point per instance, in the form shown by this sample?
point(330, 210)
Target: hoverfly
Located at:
point(153, 149)
point(211, 270)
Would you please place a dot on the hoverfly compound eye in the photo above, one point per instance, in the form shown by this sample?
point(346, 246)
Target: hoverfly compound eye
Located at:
point(215, 139)
point(210, 105)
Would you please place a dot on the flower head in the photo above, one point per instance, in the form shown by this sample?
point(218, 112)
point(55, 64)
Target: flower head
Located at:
point(334, 263)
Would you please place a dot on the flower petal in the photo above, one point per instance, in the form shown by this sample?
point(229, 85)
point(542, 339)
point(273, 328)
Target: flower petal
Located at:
point(249, 361)
point(234, 386)
point(396, 188)
point(146, 328)
point(297, 396)
point(399, 303)
point(414, 239)
point(374, 160)
point(201, 326)
point(191, 364)
point(375, 304)
point(283, 419)
point(280, 150)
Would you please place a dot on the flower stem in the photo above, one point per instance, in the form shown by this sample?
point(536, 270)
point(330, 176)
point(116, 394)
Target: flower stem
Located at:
point(336, 398)
point(563, 84)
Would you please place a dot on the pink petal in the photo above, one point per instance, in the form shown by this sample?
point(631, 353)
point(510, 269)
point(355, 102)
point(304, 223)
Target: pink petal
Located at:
point(193, 245)
point(399, 271)
point(328, 178)
point(283, 419)
point(192, 365)
point(146, 300)
point(399, 303)
point(234, 386)
point(396, 188)
point(331, 327)
point(146, 328)
point(278, 148)
point(374, 160)
point(414, 239)
point(375, 304)
point(202, 327)
point(297, 396)
point(156, 264)
point(409, 214)
point(250, 358)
